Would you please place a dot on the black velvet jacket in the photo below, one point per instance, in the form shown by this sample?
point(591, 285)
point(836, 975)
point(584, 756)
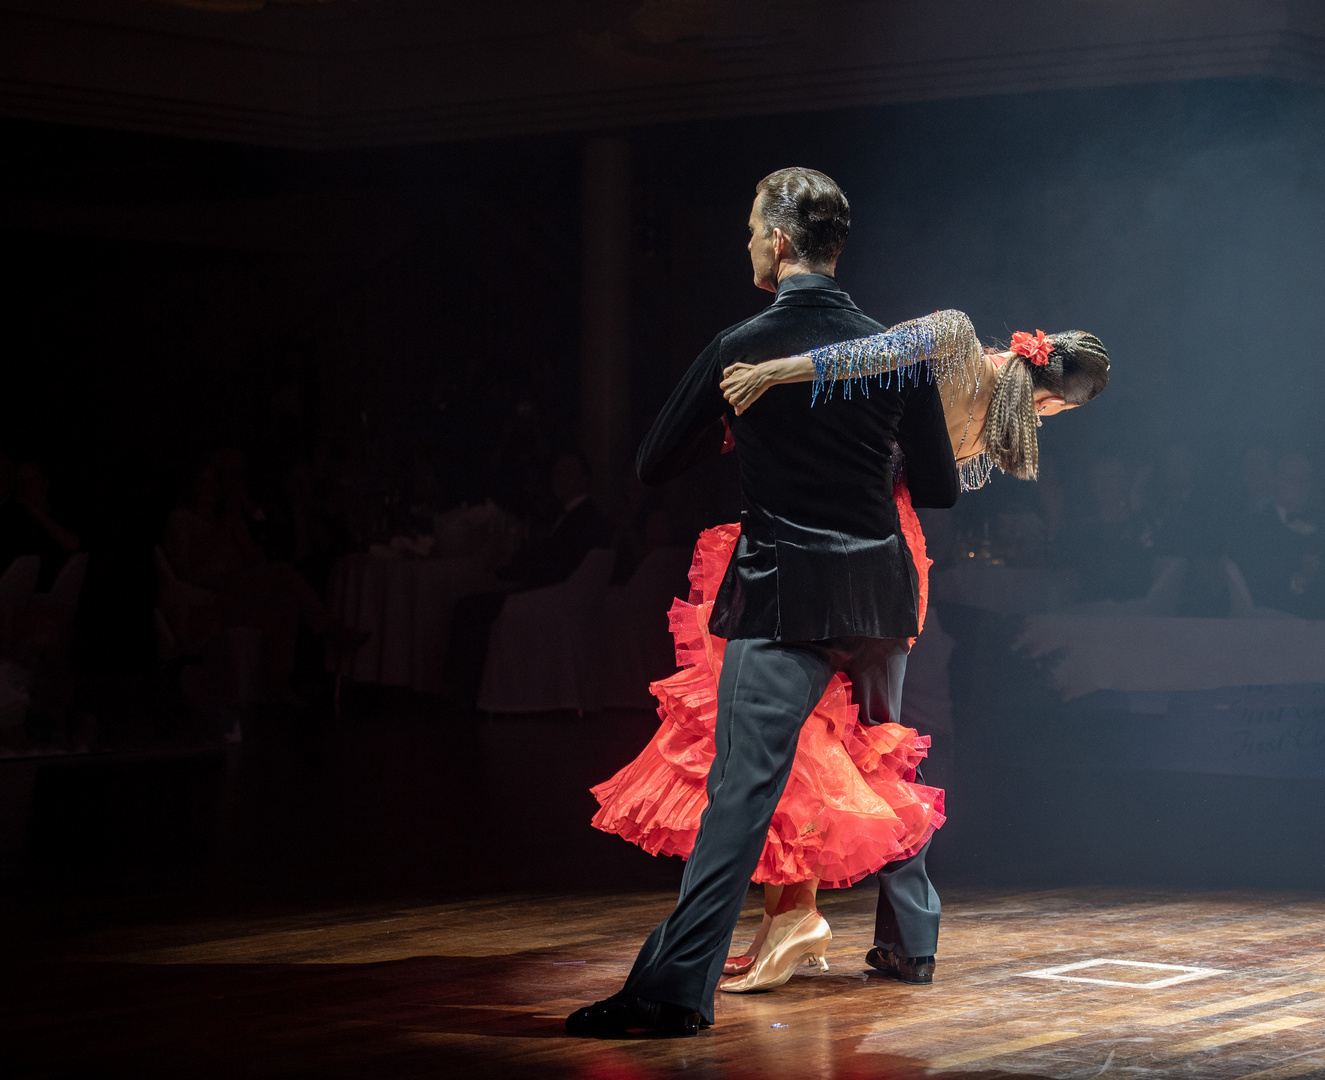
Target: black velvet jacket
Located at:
point(821, 554)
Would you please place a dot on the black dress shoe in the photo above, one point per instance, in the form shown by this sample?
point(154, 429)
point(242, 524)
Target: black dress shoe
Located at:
point(628, 1012)
point(910, 969)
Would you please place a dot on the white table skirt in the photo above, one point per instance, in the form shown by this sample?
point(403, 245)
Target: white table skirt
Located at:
point(1156, 653)
point(408, 605)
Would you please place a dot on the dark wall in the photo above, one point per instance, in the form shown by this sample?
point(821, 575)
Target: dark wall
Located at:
point(381, 315)
point(1185, 224)
point(174, 296)
point(178, 296)
point(375, 317)
point(386, 310)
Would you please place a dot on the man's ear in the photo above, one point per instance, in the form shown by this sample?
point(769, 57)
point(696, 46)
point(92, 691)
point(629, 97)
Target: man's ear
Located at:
point(780, 244)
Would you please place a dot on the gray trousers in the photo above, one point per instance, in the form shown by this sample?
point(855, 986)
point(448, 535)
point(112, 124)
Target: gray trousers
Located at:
point(767, 690)
point(907, 919)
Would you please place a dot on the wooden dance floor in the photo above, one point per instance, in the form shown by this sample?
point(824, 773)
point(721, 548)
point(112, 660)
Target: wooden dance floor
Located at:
point(1080, 983)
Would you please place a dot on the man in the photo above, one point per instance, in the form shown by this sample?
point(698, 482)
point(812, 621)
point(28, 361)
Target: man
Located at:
point(821, 579)
point(26, 525)
point(1275, 543)
point(580, 528)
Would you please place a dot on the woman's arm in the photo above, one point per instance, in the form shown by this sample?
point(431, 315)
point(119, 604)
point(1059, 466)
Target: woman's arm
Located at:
point(942, 346)
point(743, 384)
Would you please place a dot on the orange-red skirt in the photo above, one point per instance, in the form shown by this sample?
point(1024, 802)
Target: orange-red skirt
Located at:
point(851, 804)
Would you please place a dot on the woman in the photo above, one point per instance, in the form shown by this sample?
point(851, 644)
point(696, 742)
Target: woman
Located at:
point(992, 399)
point(851, 804)
point(207, 544)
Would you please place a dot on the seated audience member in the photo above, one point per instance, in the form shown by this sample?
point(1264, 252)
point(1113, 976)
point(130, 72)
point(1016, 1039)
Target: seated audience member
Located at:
point(1277, 542)
point(232, 470)
point(1191, 527)
point(1109, 544)
point(30, 635)
point(208, 544)
point(301, 531)
point(14, 531)
point(519, 458)
point(1258, 481)
point(55, 543)
point(580, 528)
point(26, 524)
point(1183, 521)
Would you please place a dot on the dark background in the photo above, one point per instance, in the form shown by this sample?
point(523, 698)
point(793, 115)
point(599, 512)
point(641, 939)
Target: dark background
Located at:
point(381, 313)
point(287, 299)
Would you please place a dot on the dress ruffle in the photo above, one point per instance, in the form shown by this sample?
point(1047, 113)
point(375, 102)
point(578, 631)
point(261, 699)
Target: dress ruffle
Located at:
point(851, 804)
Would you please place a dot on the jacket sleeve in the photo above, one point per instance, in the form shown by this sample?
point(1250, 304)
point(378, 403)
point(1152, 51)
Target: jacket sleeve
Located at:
point(689, 427)
point(922, 435)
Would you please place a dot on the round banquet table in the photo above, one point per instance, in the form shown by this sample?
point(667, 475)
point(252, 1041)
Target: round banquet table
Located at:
point(407, 605)
point(1011, 589)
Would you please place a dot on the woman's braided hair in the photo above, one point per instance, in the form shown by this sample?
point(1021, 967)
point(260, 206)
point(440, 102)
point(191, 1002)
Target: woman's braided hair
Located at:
point(1077, 370)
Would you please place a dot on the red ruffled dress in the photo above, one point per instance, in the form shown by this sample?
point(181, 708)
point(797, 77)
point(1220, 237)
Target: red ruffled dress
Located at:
point(851, 804)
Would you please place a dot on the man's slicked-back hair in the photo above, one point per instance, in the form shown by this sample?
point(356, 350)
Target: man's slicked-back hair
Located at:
point(811, 211)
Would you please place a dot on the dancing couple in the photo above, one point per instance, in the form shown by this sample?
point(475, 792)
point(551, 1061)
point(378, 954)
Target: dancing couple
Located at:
point(780, 757)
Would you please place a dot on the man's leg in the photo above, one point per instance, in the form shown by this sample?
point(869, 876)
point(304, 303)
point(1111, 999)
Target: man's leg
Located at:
point(767, 690)
point(876, 668)
point(907, 921)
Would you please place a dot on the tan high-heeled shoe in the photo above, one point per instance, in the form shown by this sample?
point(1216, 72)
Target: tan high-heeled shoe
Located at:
point(793, 937)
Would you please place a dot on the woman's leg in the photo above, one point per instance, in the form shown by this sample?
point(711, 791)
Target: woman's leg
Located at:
point(798, 895)
point(738, 965)
point(777, 900)
point(786, 909)
point(771, 895)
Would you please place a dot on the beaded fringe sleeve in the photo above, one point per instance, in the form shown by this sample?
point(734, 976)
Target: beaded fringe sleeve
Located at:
point(941, 347)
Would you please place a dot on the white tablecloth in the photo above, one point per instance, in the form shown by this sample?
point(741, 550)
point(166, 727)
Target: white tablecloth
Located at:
point(1154, 653)
point(407, 604)
point(1012, 589)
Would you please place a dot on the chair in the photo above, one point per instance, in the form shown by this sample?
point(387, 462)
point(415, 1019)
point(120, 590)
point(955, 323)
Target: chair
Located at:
point(18, 584)
point(14, 698)
point(167, 645)
point(178, 600)
point(542, 650)
point(51, 616)
point(217, 668)
point(68, 584)
point(61, 602)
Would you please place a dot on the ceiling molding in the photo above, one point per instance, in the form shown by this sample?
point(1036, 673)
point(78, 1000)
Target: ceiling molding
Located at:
point(358, 73)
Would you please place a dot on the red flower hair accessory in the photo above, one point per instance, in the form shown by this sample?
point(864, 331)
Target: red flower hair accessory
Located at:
point(1034, 347)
